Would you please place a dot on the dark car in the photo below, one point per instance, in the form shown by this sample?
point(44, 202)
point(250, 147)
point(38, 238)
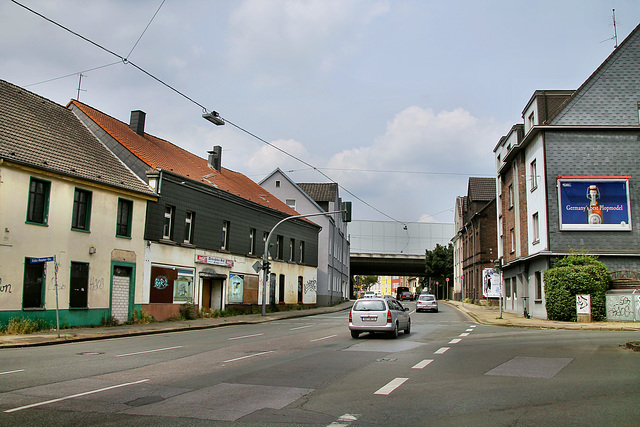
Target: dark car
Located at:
point(406, 296)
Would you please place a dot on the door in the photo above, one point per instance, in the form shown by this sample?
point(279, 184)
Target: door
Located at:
point(206, 294)
point(121, 293)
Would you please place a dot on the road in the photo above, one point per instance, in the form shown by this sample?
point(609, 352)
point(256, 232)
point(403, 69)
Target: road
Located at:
point(309, 371)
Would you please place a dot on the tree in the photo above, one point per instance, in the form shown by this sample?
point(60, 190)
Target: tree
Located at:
point(573, 275)
point(366, 282)
point(439, 263)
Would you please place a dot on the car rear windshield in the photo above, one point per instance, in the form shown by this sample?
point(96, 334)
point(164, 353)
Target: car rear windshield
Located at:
point(373, 305)
point(427, 298)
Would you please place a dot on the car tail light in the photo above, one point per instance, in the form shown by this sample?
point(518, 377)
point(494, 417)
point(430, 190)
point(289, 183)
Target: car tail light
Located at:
point(350, 318)
point(389, 316)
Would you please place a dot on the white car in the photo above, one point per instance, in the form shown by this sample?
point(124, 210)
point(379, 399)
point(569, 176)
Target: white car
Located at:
point(427, 302)
point(379, 315)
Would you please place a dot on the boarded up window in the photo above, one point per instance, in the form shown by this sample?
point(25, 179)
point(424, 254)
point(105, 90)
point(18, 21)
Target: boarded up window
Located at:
point(250, 289)
point(162, 285)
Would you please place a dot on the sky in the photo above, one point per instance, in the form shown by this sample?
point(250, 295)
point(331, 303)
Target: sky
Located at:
point(398, 101)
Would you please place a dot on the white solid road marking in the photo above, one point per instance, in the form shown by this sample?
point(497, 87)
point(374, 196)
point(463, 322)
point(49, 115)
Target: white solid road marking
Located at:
point(244, 336)
point(86, 393)
point(324, 338)
point(344, 420)
point(148, 351)
point(455, 341)
point(422, 364)
point(246, 357)
point(301, 327)
point(392, 385)
point(464, 334)
point(12, 372)
point(441, 350)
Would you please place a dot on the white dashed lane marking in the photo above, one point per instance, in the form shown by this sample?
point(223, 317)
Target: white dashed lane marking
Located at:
point(455, 341)
point(422, 364)
point(441, 350)
point(391, 385)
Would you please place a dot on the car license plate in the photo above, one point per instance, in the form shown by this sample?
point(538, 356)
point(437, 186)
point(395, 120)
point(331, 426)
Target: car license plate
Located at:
point(369, 319)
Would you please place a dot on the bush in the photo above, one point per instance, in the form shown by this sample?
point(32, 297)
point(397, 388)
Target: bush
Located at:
point(575, 275)
point(22, 325)
point(142, 317)
point(189, 311)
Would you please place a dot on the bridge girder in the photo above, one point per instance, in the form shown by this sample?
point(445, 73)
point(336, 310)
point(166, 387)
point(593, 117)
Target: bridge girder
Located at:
point(385, 265)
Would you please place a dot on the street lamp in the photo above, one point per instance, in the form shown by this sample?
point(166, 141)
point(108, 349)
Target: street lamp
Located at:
point(214, 118)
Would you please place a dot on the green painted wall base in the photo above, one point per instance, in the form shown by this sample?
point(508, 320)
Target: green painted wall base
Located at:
point(68, 318)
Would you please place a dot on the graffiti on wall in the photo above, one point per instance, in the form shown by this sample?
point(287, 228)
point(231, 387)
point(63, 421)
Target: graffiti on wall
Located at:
point(96, 284)
point(310, 286)
point(6, 288)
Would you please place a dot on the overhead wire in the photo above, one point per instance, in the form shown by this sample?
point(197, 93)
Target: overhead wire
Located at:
point(125, 60)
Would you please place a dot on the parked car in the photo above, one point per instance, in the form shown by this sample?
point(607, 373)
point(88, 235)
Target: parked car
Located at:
point(427, 302)
point(406, 296)
point(379, 315)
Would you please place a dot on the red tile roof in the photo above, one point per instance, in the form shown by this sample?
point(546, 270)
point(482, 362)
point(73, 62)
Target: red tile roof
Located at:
point(161, 154)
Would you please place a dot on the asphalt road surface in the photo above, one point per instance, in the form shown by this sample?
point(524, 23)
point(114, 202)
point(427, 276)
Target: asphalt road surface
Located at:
point(309, 371)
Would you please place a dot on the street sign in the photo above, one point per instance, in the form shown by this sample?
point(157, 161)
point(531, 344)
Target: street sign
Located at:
point(40, 260)
point(257, 266)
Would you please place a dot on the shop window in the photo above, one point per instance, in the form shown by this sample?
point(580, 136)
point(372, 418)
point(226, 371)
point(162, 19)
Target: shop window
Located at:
point(33, 284)
point(38, 205)
point(170, 285)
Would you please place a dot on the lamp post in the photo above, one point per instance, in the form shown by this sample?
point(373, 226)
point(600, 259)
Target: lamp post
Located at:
point(265, 256)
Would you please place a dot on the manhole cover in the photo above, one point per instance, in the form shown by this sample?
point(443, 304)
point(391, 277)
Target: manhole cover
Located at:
point(90, 353)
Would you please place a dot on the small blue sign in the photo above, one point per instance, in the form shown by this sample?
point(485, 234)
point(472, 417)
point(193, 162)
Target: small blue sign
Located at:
point(39, 260)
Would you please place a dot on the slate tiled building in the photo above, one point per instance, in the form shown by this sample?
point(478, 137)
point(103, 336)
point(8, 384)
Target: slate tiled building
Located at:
point(64, 195)
point(568, 179)
point(208, 227)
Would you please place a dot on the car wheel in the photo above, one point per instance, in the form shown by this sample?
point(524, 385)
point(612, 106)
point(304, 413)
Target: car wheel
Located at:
point(408, 328)
point(394, 333)
point(355, 334)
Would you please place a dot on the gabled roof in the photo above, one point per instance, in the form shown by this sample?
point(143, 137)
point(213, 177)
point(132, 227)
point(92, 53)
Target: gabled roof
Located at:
point(609, 96)
point(38, 132)
point(481, 189)
point(321, 192)
point(161, 154)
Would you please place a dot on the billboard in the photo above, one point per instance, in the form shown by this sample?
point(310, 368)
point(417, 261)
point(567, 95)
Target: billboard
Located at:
point(594, 203)
point(491, 281)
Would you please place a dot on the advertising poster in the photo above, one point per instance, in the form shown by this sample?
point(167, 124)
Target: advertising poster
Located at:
point(236, 289)
point(491, 281)
point(594, 203)
point(183, 287)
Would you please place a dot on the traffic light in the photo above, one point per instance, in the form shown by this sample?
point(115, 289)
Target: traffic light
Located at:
point(266, 266)
point(497, 265)
point(346, 211)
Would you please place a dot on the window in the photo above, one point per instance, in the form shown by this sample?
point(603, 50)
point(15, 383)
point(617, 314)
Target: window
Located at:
point(188, 226)
point(531, 120)
point(79, 285)
point(300, 289)
point(125, 213)
point(301, 258)
point(167, 229)
point(252, 241)
point(538, 285)
point(291, 203)
point(38, 205)
point(510, 195)
point(507, 288)
point(81, 216)
point(34, 283)
point(536, 228)
point(512, 234)
point(277, 184)
point(226, 226)
point(279, 247)
point(292, 250)
point(534, 175)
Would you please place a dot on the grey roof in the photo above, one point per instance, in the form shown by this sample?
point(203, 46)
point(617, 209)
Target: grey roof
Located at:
point(481, 189)
point(609, 97)
point(327, 192)
point(38, 132)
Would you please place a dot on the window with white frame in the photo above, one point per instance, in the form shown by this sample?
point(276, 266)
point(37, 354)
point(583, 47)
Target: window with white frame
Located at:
point(512, 235)
point(536, 228)
point(531, 120)
point(252, 241)
point(534, 175)
point(226, 225)
point(188, 227)
point(167, 229)
point(510, 195)
point(291, 203)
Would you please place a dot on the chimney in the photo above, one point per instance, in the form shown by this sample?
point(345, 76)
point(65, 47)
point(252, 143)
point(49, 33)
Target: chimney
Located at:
point(215, 158)
point(136, 123)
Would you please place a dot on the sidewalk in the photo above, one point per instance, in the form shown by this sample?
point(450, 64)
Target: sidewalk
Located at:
point(98, 333)
point(480, 314)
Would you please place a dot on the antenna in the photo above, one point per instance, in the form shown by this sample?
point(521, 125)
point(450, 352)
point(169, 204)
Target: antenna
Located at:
point(80, 84)
point(615, 30)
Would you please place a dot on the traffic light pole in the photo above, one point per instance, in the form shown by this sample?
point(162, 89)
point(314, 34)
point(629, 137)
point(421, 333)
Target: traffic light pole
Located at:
point(266, 267)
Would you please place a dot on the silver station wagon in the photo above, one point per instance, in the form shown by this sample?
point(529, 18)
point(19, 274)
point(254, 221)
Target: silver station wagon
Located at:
point(379, 315)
